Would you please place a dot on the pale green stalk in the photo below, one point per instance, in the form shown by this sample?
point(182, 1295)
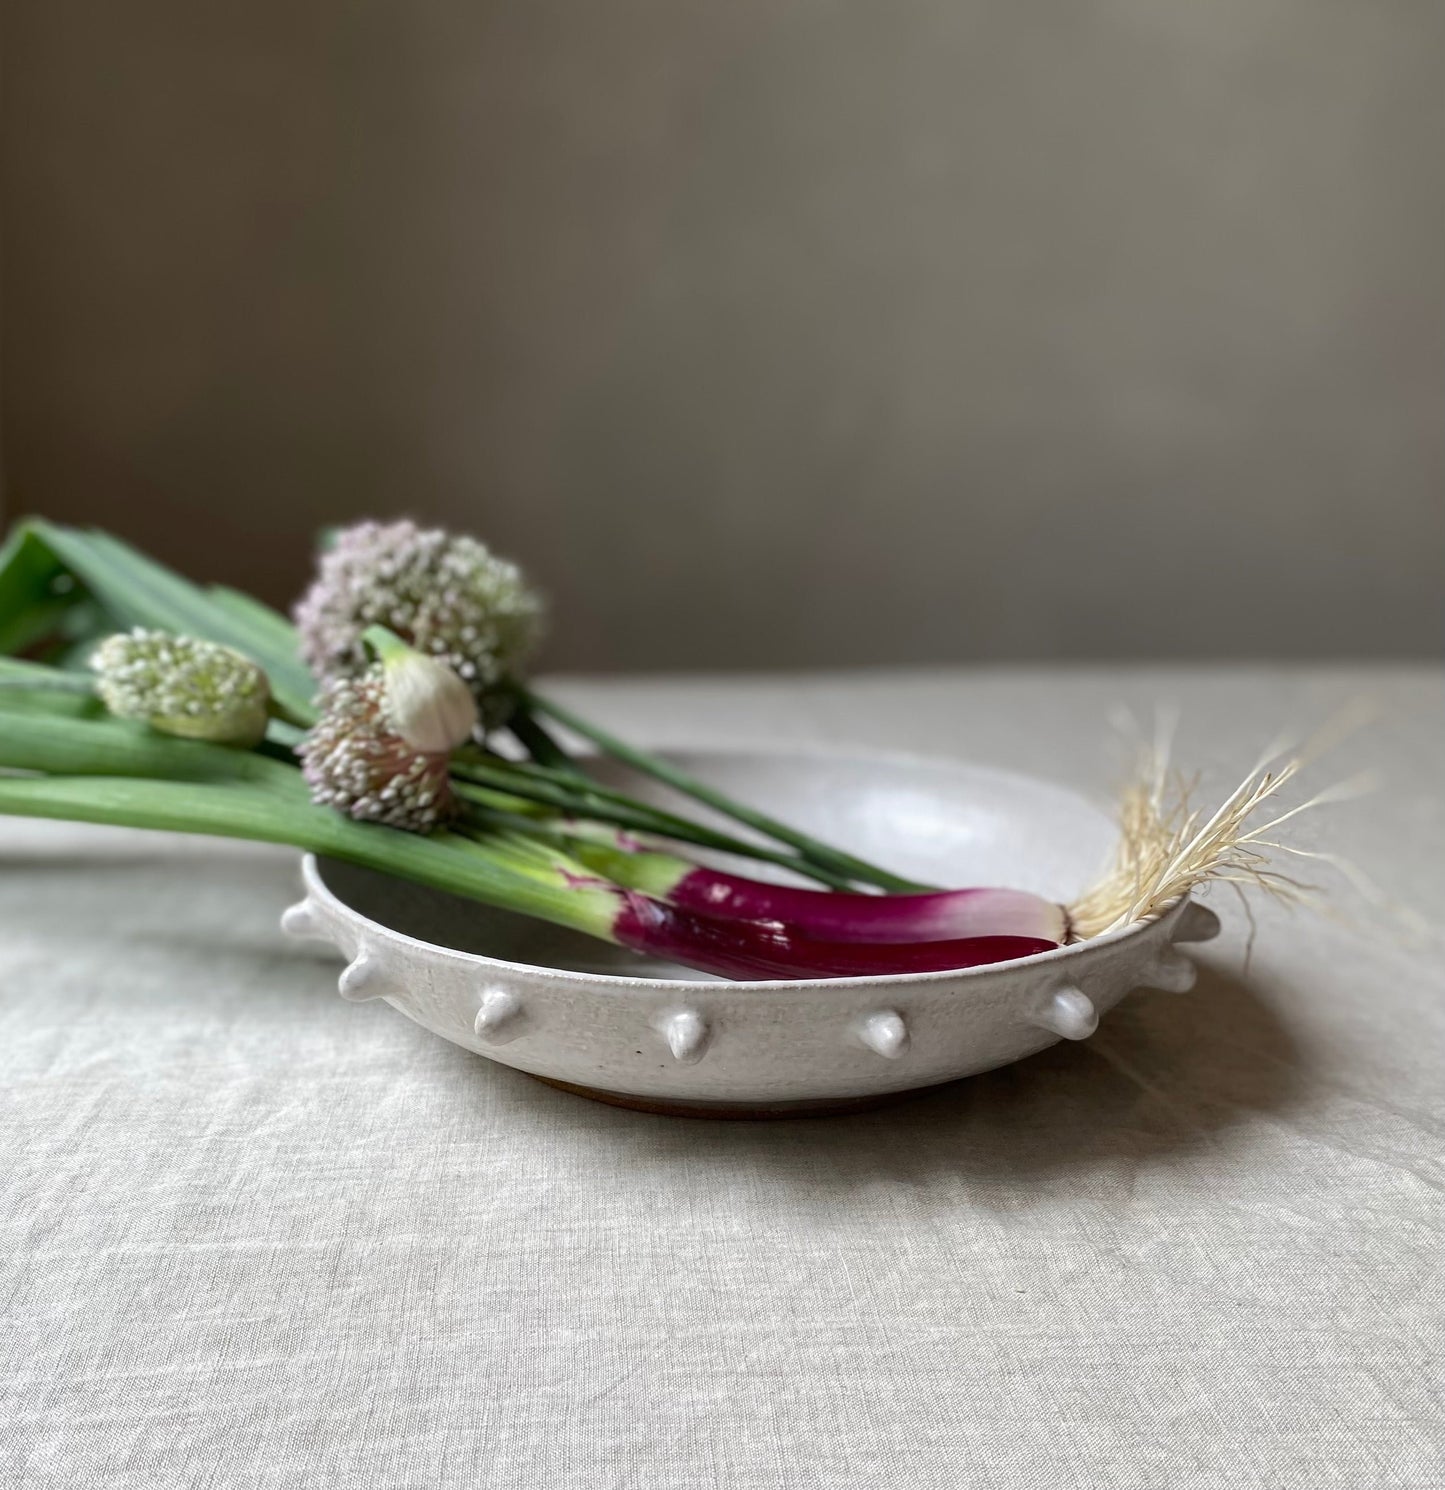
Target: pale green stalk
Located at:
point(117, 772)
point(821, 854)
point(472, 780)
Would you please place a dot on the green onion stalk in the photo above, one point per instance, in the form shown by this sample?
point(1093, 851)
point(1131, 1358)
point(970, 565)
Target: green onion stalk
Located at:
point(147, 701)
point(63, 589)
point(102, 769)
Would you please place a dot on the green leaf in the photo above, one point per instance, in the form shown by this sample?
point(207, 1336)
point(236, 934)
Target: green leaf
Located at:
point(136, 591)
point(44, 732)
point(254, 810)
point(33, 688)
point(108, 770)
point(263, 622)
point(35, 590)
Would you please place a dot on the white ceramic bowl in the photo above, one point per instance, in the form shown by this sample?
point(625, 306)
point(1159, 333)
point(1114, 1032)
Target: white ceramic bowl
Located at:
point(614, 1025)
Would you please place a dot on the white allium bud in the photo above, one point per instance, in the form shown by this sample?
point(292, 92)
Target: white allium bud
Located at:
point(427, 704)
point(448, 596)
point(353, 760)
point(182, 686)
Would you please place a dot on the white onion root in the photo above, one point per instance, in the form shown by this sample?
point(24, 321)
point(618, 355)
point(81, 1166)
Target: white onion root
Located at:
point(1168, 847)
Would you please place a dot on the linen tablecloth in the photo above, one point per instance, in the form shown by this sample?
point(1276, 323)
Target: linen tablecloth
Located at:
point(256, 1236)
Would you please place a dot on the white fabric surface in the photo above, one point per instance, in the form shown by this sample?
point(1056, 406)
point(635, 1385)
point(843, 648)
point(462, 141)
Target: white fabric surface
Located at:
point(255, 1236)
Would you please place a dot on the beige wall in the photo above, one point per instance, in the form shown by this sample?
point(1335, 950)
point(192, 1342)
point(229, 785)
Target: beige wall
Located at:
point(764, 331)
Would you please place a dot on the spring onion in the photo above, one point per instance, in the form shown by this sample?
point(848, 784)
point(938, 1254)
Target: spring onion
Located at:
point(837, 916)
point(199, 716)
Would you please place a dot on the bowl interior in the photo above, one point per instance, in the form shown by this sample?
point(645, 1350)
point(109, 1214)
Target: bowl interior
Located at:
point(938, 821)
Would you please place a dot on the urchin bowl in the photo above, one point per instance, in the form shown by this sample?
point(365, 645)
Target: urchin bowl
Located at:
point(613, 1025)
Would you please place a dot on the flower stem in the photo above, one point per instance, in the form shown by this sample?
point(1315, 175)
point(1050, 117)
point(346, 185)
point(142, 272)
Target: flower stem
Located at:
point(55, 682)
point(476, 779)
point(538, 742)
point(818, 853)
point(110, 770)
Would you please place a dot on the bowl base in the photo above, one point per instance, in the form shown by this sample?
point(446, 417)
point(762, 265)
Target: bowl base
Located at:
point(735, 1111)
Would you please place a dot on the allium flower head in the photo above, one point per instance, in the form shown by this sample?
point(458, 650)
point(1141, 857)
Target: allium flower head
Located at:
point(355, 761)
point(449, 596)
point(183, 686)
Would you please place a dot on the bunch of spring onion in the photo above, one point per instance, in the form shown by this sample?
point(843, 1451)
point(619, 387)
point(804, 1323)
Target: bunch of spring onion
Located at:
point(369, 731)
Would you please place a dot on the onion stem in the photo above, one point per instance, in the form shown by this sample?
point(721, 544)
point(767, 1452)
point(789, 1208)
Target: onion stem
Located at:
point(538, 742)
point(583, 799)
point(240, 809)
point(56, 683)
point(821, 854)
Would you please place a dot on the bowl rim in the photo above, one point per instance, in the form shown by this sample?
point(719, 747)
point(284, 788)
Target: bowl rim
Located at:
point(619, 983)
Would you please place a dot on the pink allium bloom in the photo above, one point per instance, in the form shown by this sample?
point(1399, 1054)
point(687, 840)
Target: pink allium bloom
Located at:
point(448, 596)
point(353, 760)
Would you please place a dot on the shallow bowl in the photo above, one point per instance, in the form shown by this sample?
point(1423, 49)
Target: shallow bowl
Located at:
point(620, 1027)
